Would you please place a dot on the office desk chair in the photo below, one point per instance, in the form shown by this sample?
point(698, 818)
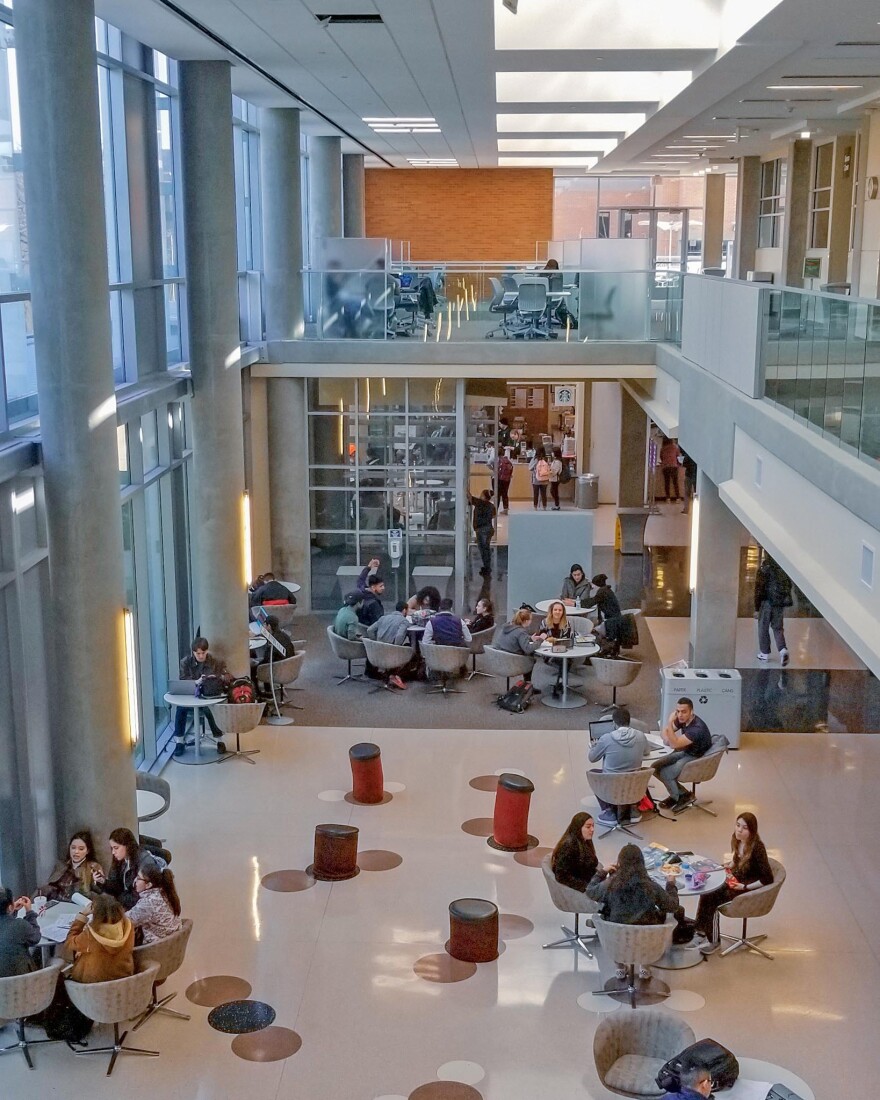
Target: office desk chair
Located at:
point(533, 307)
point(504, 302)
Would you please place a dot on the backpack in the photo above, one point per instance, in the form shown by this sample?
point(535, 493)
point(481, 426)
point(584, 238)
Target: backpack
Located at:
point(542, 471)
point(241, 691)
point(707, 1054)
point(211, 687)
point(565, 475)
point(782, 1092)
point(518, 699)
point(504, 468)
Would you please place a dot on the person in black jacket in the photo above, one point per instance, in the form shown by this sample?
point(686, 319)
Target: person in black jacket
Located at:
point(128, 855)
point(574, 862)
point(17, 937)
point(484, 528)
point(372, 586)
point(194, 666)
point(772, 596)
point(604, 601)
point(748, 869)
point(271, 591)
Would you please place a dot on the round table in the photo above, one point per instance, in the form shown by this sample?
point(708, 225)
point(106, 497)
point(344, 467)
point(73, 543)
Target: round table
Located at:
point(292, 586)
point(684, 956)
point(569, 699)
point(148, 802)
point(544, 606)
point(195, 754)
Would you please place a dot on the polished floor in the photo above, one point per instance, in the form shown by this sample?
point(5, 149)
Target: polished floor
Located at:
point(336, 962)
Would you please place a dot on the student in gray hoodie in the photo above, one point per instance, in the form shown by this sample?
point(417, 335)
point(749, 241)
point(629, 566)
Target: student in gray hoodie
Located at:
point(513, 637)
point(621, 750)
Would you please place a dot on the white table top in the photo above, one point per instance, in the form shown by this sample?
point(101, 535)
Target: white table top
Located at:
point(544, 606)
point(147, 803)
point(714, 880)
point(192, 700)
point(292, 586)
point(586, 650)
point(49, 917)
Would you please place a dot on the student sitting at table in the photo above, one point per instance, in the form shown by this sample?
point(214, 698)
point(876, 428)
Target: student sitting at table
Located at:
point(17, 937)
point(446, 628)
point(556, 626)
point(391, 628)
point(347, 624)
point(575, 586)
point(622, 749)
point(513, 637)
point(271, 591)
point(748, 868)
point(100, 949)
point(630, 896)
point(196, 665)
point(75, 875)
point(264, 656)
point(574, 862)
point(156, 913)
point(483, 617)
point(128, 858)
point(423, 605)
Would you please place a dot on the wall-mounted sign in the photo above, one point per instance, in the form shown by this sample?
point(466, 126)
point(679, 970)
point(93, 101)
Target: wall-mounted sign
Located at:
point(563, 395)
point(813, 267)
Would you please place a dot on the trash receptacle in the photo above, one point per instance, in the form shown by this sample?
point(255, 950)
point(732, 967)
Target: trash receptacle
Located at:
point(587, 491)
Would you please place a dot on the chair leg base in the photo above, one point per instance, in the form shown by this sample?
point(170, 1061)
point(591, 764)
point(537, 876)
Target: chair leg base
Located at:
point(160, 1006)
point(353, 677)
point(738, 942)
point(624, 828)
point(571, 939)
point(117, 1048)
point(477, 672)
point(634, 991)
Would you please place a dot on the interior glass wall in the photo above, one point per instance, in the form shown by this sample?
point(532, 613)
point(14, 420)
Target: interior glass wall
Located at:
point(381, 455)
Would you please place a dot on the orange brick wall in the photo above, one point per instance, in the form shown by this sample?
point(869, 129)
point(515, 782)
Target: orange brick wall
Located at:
point(462, 213)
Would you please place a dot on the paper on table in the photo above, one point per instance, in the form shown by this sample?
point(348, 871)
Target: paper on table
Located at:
point(80, 899)
point(57, 932)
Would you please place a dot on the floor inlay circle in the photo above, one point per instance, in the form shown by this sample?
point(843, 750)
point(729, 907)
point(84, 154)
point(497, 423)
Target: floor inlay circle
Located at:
point(532, 858)
point(445, 1090)
point(478, 826)
point(287, 882)
point(378, 859)
point(466, 1073)
point(272, 1044)
point(684, 1000)
point(513, 927)
point(217, 990)
point(332, 796)
point(386, 798)
point(239, 1017)
point(442, 968)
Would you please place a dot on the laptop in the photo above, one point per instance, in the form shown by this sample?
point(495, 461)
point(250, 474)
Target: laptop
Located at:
point(406, 280)
point(601, 727)
point(182, 687)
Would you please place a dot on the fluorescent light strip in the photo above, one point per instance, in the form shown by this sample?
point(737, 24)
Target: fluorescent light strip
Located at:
point(813, 87)
point(547, 162)
point(403, 118)
point(542, 122)
point(709, 137)
point(556, 145)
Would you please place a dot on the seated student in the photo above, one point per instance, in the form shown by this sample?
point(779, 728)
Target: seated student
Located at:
point(100, 949)
point(695, 1082)
point(283, 639)
point(371, 586)
point(271, 591)
point(575, 586)
point(446, 628)
point(748, 868)
point(128, 857)
point(483, 617)
point(688, 735)
point(195, 666)
point(347, 624)
point(555, 625)
point(391, 628)
point(574, 862)
point(620, 750)
point(156, 913)
point(75, 875)
point(604, 600)
point(424, 604)
point(17, 937)
point(514, 637)
point(630, 896)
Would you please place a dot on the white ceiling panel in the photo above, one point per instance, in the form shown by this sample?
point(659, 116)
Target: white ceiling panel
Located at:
point(575, 87)
point(556, 145)
point(542, 122)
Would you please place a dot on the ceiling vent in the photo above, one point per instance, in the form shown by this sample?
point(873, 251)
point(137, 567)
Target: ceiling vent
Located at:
point(348, 20)
point(857, 43)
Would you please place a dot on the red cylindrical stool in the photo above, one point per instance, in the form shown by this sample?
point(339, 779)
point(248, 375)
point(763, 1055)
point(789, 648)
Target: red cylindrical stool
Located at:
point(336, 849)
point(510, 824)
point(473, 930)
point(367, 781)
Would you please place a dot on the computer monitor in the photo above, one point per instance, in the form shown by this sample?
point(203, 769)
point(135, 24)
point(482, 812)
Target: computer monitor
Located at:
point(600, 727)
point(406, 280)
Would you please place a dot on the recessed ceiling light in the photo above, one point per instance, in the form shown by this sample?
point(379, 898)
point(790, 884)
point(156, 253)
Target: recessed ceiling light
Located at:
point(711, 137)
point(403, 125)
point(805, 134)
point(556, 145)
point(812, 87)
point(547, 162)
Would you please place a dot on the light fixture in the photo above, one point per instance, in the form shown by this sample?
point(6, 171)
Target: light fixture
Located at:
point(134, 722)
point(341, 428)
point(23, 501)
point(432, 162)
point(403, 125)
point(812, 87)
point(547, 162)
point(246, 538)
point(695, 543)
point(805, 134)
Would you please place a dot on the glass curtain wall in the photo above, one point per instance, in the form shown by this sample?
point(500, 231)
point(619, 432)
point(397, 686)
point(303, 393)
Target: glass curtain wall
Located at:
point(248, 218)
point(381, 455)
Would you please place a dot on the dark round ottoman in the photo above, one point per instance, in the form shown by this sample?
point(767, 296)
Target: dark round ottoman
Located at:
point(510, 825)
point(473, 930)
point(336, 849)
point(367, 781)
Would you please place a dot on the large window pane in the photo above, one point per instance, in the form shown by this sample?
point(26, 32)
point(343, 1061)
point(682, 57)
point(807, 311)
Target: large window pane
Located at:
point(156, 581)
point(108, 154)
point(14, 272)
point(167, 207)
point(16, 320)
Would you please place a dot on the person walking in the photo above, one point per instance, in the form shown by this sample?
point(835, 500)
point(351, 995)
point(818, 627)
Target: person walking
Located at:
point(540, 470)
point(669, 455)
point(484, 528)
point(555, 475)
point(504, 475)
point(772, 596)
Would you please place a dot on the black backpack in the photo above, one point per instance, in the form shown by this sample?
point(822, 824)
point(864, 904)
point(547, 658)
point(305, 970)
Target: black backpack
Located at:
point(518, 699)
point(782, 1092)
point(704, 1054)
point(211, 687)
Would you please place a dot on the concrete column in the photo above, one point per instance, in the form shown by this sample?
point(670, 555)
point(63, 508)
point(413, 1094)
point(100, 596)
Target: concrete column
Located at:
point(868, 245)
point(354, 216)
point(55, 47)
point(288, 484)
point(633, 452)
point(715, 599)
point(282, 222)
point(841, 207)
point(748, 193)
point(713, 220)
point(212, 308)
point(797, 212)
point(325, 187)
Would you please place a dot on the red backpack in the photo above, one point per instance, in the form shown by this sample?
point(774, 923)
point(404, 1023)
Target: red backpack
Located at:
point(241, 691)
point(505, 469)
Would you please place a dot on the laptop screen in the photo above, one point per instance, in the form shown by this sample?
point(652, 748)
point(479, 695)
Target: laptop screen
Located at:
point(602, 726)
point(406, 280)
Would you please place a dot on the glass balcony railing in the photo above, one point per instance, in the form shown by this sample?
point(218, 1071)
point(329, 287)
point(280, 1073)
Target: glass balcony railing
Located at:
point(821, 363)
point(500, 302)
